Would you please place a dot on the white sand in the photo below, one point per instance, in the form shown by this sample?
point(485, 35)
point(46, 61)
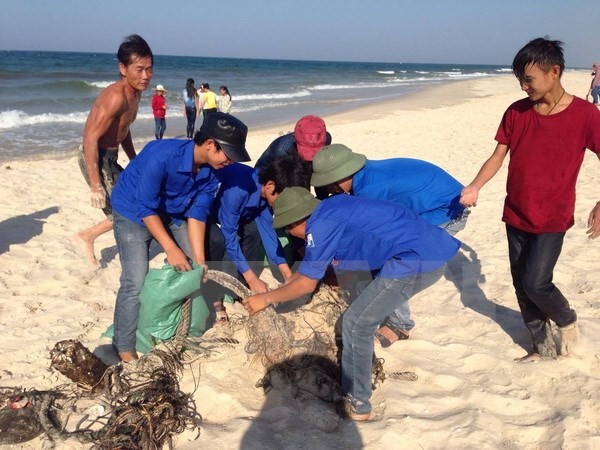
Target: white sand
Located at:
point(470, 392)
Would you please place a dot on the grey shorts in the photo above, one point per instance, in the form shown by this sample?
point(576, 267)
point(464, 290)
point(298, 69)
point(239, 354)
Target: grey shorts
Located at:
point(107, 159)
point(457, 224)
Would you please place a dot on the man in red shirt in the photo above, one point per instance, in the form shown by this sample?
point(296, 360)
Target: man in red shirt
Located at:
point(159, 110)
point(546, 135)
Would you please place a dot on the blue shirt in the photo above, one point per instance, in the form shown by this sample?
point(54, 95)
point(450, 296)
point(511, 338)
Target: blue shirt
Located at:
point(160, 181)
point(239, 200)
point(415, 184)
point(364, 234)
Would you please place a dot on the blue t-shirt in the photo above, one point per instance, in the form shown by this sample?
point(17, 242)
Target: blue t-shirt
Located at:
point(160, 181)
point(365, 234)
point(413, 183)
point(239, 199)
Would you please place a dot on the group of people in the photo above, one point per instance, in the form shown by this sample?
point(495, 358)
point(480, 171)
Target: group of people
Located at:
point(194, 101)
point(384, 227)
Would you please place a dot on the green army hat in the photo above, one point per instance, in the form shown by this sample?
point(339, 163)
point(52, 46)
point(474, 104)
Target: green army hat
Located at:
point(334, 163)
point(292, 205)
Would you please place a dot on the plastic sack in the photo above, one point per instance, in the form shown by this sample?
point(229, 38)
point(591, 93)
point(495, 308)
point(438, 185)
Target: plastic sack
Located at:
point(161, 299)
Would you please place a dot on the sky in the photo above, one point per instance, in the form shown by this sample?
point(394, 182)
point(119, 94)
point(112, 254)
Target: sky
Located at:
point(429, 31)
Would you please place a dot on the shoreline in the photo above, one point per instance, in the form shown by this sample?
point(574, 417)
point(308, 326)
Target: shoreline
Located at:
point(469, 329)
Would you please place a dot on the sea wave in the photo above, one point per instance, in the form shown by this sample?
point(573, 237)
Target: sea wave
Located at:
point(504, 69)
point(99, 84)
point(14, 119)
point(303, 93)
point(386, 72)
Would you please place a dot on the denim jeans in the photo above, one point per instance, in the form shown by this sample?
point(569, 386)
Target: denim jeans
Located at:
point(401, 316)
point(532, 260)
point(359, 323)
point(190, 114)
point(133, 243)
point(595, 94)
point(160, 125)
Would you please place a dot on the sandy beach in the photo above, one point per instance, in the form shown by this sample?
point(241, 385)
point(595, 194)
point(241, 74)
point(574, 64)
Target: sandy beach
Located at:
point(470, 392)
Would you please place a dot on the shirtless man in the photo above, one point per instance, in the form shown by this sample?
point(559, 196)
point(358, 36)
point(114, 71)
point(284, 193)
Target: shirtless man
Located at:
point(106, 128)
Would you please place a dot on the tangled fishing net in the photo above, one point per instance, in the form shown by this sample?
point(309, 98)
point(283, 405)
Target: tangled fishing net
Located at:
point(140, 405)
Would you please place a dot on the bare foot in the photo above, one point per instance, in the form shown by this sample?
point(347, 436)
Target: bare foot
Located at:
point(86, 247)
point(128, 356)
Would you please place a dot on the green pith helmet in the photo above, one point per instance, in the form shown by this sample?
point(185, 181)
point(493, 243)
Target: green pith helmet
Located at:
point(334, 163)
point(292, 205)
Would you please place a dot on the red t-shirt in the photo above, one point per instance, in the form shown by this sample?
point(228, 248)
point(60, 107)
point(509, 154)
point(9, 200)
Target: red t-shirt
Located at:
point(158, 101)
point(546, 153)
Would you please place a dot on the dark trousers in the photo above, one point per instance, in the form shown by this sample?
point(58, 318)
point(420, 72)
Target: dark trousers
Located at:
point(532, 260)
point(160, 125)
point(216, 257)
point(190, 114)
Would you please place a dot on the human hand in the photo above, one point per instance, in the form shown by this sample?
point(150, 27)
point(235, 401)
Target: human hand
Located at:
point(594, 222)
point(178, 260)
point(98, 196)
point(255, 304)
point(469, 195)
point(258, 286)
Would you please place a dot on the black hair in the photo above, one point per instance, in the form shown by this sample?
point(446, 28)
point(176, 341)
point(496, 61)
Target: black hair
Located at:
point(226, 91)
point(205, 85)
point(133, 44)
point(287, 171)
point(541, 51)
point(200, 138)
point(189, 87)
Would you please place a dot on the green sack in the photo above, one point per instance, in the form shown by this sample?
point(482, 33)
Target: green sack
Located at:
point(161, 299)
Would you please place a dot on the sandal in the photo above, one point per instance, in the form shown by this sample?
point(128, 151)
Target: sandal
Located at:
point(388, 328)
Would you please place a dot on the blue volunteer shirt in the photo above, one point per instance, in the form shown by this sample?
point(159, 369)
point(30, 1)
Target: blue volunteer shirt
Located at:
point(160, 181)
point(364, 234)
point(418, 185)
point(239, 199)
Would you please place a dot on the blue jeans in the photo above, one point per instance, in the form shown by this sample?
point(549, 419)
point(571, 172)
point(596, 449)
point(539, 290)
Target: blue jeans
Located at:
point(595, 94)
point(401, 317)
point(359, 323)
point(160, 125)
point(133, 243)
point(190, 114)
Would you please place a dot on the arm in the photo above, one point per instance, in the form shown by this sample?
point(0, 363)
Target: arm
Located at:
point(298, 286)
point(105, 111)
point(594, 219)
point(196, 234)
point(175, 256)
point(470, 193)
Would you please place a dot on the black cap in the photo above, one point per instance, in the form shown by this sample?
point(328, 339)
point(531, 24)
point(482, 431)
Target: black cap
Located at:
point(229, 132)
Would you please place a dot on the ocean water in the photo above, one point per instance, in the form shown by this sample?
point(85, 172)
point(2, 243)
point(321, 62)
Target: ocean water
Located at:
point(46, 96)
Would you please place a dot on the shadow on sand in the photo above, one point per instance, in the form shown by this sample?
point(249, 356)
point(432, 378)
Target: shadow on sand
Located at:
point(20, 229)
point(464, 270)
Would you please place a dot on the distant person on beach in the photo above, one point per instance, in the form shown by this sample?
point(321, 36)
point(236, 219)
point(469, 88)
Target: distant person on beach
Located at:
point(107, 127)
point(165, 194)
point(208, 99)
point(190, 107)
point(546, 134)
point(418, 185)
point(224, 100)
point(309, 136)
point(595, 84)
point(159, 110)
point(405, 253)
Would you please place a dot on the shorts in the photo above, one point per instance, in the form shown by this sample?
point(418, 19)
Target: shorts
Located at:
point(107, 159)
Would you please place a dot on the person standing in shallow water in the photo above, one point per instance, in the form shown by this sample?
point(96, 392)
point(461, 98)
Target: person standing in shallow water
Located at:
point(107, 127)
point(224, 103)
point(545, 134)
point(159, 110)
point(190, 107)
